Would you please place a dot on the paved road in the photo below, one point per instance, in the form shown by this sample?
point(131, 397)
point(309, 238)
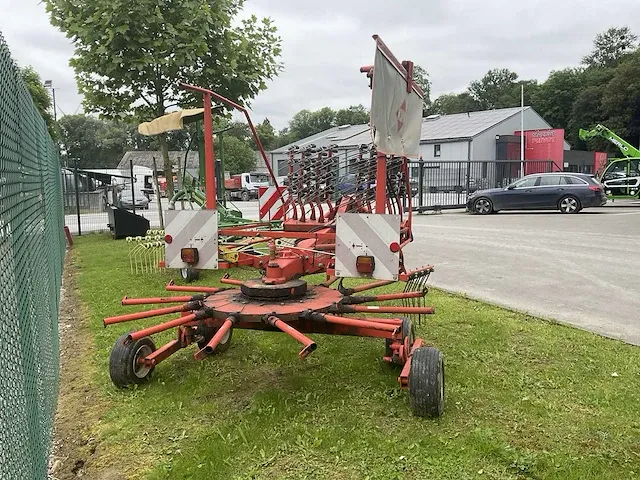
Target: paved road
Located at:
point(579, 269)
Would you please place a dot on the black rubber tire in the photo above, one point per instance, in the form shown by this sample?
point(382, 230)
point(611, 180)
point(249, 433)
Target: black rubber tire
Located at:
point(407, 329)
point(426, 382)
point(569, 197)
point(208, 333)
point(123, 358)
point(190, 274)
point(481, 211)
point(245, 196)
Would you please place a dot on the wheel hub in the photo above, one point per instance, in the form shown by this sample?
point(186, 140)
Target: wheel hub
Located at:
point(256, 288)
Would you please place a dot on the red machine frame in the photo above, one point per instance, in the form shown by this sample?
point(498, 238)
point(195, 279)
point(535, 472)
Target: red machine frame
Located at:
point(280, 300)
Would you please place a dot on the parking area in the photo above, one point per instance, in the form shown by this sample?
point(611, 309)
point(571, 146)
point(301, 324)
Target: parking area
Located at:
point(579, 269)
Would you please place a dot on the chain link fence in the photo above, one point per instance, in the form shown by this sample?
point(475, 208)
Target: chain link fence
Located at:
point(32, 247)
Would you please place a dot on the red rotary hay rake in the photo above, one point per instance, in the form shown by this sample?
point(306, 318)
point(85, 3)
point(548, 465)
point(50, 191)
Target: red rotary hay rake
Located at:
point(359, 231)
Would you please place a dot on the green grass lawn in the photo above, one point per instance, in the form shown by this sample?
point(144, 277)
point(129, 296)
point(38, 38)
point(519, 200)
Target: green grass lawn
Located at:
point(525, 398)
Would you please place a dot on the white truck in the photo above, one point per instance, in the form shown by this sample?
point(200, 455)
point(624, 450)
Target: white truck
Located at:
point(244, 186)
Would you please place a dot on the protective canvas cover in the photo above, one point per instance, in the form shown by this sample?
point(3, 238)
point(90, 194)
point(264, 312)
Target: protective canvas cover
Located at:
point(396, 115)
point(170, 121)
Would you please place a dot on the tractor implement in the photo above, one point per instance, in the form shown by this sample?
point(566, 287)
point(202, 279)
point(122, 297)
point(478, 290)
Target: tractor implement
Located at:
point(344, 231)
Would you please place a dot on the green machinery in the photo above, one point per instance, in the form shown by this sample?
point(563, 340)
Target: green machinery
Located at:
point(621, 176)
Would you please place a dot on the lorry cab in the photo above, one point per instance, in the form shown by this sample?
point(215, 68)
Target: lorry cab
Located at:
point(621, 177)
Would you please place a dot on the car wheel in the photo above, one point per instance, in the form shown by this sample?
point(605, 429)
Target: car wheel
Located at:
point(569, 204)
point(245, 196)
point(482, 206)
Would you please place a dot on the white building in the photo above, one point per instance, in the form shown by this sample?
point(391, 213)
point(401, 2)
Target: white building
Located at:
point(457, 137)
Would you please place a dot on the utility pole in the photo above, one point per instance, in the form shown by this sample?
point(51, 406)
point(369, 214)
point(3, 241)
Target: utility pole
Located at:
point(522, 130)
point(49, 84)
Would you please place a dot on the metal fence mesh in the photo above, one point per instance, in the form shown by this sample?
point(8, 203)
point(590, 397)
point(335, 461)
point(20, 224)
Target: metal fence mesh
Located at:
point(32, 249)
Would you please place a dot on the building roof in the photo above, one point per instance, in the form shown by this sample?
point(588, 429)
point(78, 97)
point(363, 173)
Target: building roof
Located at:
point(144, 158)
point(435, 128)
point(463, 125)
point(334, 135)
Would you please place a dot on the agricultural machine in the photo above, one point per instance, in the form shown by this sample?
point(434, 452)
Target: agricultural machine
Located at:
point(621, 176)
point(360, 233)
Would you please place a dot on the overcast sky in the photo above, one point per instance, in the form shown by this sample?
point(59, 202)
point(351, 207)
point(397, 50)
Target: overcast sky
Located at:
point(325, 43)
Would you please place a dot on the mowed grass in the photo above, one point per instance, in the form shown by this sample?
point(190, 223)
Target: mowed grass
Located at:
point(525, 398)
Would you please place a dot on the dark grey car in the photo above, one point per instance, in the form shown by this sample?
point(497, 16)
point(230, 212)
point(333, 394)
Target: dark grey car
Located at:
point(564, 191)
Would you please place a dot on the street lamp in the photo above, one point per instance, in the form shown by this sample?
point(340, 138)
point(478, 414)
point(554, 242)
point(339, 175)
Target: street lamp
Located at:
point(49, 84)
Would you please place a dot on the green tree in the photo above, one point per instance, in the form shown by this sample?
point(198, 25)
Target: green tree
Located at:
point(421, 77)
point(621, 100)
point(489, 92)
point(555, 97)
point(306, 123)
point(353, 115)
point(129, 56)
point(610, 47)
point(41, 98)
point(238, 156)
point(284, 137)
point(267, 135)
point(454, 103)
point(95, 143)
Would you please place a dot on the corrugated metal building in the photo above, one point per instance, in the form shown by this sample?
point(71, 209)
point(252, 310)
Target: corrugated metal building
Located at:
point(456, 137)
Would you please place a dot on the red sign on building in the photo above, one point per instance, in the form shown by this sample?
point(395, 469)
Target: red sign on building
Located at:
point(543, 145)
point(599, 163)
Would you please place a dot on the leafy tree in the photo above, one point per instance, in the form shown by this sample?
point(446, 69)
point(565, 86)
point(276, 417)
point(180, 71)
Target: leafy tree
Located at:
point(421, 77)
point(284, 137)
point(238, 156)
point(353, 115)
point(267, 135)
point(555, 97)
point(239, 130)
point(40, 97)
point(306, 123)
point(621, 99)
point(454, 103)
point(587, 111)
point(129, 56)
point(610, 47)
point(95, 143)
point(489, 91)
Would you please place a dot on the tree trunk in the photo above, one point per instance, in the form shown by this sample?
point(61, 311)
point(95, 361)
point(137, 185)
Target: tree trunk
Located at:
point(168, 167)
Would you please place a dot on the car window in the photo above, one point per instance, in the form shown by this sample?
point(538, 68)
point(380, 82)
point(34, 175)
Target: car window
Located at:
point(572, 181)
point(549, 180)
point(634, 168)
point(526, 182)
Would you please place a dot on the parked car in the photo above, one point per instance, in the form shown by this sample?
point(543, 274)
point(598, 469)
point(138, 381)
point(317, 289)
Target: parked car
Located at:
point(564, 191)
point(127, 199)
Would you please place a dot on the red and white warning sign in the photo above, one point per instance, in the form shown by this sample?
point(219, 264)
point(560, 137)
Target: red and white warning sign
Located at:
point(367, 245)
point(270, 203)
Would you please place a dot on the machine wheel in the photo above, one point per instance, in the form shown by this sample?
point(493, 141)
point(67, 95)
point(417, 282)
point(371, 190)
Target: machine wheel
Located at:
point(569, 204)
point(208, 333)
point(482, 206)
point(124, 368)
point(190, 274)
point(408, 330)
point(426, 382)
point(245, 196)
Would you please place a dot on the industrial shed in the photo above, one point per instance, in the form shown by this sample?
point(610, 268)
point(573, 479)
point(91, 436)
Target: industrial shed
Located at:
point(458, 137)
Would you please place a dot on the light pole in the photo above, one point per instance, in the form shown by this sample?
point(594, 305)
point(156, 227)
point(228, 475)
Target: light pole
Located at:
point(49, 84)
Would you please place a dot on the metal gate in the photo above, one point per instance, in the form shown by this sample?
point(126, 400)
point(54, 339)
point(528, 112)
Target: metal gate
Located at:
point(448, 184)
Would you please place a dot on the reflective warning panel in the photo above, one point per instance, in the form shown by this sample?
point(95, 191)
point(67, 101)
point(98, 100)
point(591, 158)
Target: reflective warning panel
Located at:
point(194, 229)
point(367, 245)
point(270, 203)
